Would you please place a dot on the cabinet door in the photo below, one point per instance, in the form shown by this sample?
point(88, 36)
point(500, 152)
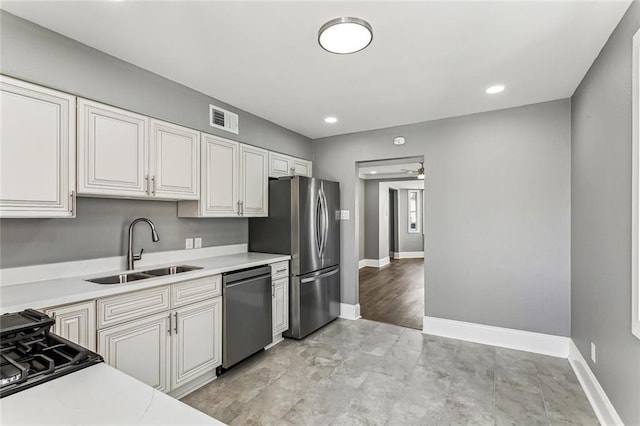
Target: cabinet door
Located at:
point(197, 340)
point(280, 307)
point(254, 181)
point(279, 165)
point(174, 161)
point(38, 153)
point(112, 151)
point(140, 348)
point(219, 177)
point(76, 323)
point(301, 167)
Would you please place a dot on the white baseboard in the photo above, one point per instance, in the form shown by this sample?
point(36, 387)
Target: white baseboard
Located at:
point(408, 255)
point(545, 344)
point(601, 404)
point(350, 312)
point(374, 263)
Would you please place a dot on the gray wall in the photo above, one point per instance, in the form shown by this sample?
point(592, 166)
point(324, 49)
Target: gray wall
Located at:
point(361, 219)
point(601, 220)
point(409, 241)
point(497, 209)
point(100, 230)
point(371, 213)
point(35, 54)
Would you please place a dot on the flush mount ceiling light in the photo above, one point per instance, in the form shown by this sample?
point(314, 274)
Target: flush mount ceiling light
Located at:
point(421, 172)
point(495, 89)
point(330, 120)
point(345, 35)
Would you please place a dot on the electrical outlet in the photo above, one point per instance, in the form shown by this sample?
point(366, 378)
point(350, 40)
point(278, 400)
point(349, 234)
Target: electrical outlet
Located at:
point(188, 243)
point(197, 242)
point(593, 352)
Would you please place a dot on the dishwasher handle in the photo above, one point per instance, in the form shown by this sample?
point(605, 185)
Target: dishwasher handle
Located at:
point(247, 281)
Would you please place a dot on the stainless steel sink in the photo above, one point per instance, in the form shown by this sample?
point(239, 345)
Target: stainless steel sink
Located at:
point(172, 270)
point(121, 278)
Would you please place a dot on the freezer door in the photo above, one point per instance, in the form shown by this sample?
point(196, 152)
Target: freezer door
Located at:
point(314, 301)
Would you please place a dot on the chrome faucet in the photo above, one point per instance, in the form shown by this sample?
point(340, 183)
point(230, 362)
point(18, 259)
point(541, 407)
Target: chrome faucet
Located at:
point(154, 236)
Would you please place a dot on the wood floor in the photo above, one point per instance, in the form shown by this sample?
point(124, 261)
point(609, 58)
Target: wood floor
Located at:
point(394, 293)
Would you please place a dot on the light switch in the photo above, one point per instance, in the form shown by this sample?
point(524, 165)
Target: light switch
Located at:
point(197, 242)
point(344, 214)
point(188, 243)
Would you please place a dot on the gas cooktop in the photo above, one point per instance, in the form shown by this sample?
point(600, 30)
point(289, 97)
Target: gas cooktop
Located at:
point(31, 355)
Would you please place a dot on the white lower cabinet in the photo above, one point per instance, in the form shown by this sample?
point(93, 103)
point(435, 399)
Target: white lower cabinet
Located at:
point(196, 343)
point(175, 350)
point(76, 323)
point(140, 348)
point(280, 307)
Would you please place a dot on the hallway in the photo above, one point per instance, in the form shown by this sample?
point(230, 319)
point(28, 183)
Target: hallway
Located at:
point(394, 293)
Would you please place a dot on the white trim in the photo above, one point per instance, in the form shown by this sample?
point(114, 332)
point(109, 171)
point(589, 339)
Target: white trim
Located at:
point(545, 344)
point(635, 188)
point(52, 271)
point(408, 255)
point(600, 403)
point(350, 312)
point(374, 263)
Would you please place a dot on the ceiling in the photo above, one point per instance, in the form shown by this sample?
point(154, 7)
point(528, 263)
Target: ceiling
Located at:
point(427, 60)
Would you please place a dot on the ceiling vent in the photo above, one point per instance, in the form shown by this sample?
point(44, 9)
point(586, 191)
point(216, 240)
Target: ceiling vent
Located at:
point(223, 119)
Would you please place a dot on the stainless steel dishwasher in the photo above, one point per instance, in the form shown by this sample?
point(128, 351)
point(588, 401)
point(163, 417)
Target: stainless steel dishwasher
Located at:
point(246, 310)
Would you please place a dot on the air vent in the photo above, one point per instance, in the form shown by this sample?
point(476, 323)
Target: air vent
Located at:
point(223, 119)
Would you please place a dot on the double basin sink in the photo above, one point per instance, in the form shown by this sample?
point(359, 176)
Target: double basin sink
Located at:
point(135, 276)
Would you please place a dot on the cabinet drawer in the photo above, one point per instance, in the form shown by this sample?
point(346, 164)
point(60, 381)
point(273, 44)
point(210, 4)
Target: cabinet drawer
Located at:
point(125, 307)
point(195, 290)
point(279, 270)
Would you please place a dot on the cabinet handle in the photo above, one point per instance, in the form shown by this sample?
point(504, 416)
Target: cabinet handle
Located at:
point(281, 270)
point(169, 325)
point(273, 290)
point(146, 187)
point(176, 327)
point(153, 185)
point(238, 207)
point(72, 200)
point(241, 208)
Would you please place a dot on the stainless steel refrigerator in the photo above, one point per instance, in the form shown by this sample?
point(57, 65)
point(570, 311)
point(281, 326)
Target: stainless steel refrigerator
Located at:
point(304, 221)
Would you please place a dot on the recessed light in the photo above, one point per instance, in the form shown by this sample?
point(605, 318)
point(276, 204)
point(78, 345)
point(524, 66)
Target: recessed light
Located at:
point(495, 89)
point(373, 172)
point(398, 141)
point(330, 120)
point(345, 35)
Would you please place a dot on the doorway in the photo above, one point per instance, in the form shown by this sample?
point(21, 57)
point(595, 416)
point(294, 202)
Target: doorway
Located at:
point(391, 268)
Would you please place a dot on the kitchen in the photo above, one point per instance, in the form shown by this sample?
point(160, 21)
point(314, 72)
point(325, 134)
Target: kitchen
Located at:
point(43, 57)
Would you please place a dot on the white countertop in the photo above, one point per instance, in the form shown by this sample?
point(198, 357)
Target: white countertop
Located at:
point(60, 291)
point(97, 395)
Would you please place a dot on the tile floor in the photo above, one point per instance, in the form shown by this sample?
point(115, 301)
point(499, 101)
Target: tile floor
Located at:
point(369, 373)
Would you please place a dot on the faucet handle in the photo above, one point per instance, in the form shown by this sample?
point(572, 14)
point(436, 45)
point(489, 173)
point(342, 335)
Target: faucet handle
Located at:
point(139, 255)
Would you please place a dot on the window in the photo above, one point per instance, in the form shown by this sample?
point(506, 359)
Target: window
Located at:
point(414, 226)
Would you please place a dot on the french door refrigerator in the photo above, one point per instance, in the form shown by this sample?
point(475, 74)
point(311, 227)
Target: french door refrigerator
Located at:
point(304, 222)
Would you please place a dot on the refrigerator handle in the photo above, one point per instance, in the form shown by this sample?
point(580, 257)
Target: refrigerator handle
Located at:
point(325, 221)
point(318, 226)
point(317, 277)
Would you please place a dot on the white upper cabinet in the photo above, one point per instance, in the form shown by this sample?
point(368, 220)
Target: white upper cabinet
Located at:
point(124, 154)
point(38, 151)
point(174, 161)
point(113, 148)
point(254, 181)
point(284, 165)
point(234, 181)
point(300, 167)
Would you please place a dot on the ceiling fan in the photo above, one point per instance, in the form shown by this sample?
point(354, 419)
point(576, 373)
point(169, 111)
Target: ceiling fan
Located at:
point(420, 171)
